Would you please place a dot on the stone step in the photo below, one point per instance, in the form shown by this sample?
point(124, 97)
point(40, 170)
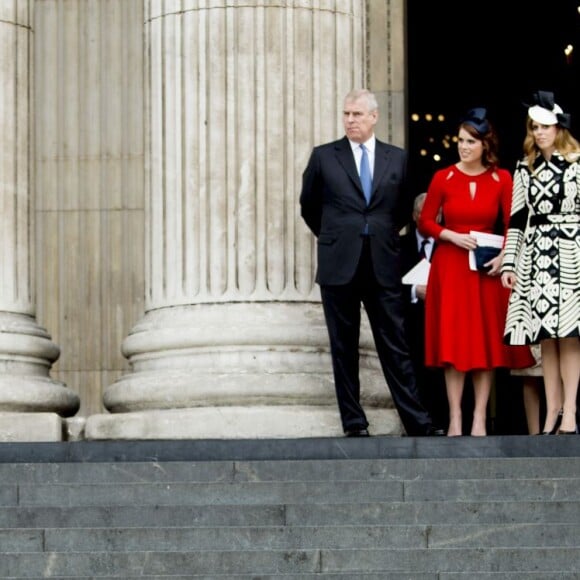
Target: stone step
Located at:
point(437, 512)
point(292, 493)
point(389, 508)
point(294, 470)
point(388, 447)
point(296, 562)
point(252, 538)
point(376, 514)
point(529, 575)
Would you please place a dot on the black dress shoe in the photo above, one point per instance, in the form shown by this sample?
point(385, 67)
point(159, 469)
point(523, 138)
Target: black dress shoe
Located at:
point(435, 432)
point(356, 433)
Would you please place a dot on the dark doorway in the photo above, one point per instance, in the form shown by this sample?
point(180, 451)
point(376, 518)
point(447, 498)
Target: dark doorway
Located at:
point(492, 54)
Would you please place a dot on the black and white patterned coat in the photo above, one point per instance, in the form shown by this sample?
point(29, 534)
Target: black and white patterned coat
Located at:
point(543, 249)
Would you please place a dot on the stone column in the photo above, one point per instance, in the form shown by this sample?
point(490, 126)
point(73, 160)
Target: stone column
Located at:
point(233, 342)
point(31, 403)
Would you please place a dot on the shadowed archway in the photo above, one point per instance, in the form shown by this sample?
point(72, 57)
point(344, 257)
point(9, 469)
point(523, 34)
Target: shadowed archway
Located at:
point(462, 55)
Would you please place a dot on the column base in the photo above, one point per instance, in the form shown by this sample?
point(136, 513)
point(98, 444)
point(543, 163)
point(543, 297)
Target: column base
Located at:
point(235, 371)
point(236, 355)
point(26, 356)
point(31, 428)
point(257, 422)
point(27, 394)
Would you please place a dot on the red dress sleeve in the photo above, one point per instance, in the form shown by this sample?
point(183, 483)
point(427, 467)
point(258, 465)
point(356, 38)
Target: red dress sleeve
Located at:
point(427, 223)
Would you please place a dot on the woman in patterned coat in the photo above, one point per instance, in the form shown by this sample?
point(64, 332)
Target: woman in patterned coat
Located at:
point(541, 262)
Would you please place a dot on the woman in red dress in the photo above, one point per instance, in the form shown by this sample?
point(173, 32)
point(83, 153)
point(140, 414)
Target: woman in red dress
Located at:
point(465, 310)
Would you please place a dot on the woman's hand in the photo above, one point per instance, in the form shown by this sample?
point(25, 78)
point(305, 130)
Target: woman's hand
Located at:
point(465, 241)
point(508, 280)
point(494, 265)
point(421, 291)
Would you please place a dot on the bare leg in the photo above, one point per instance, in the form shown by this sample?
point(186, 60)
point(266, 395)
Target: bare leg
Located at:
point(531, 392)
point(570, 369)
point(454, 381)
point(552, 382)
point(482, 381)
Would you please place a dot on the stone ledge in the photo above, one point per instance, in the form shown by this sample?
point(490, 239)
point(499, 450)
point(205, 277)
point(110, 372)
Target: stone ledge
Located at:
point(281, 421)
point(382, 447)
point(37, 427)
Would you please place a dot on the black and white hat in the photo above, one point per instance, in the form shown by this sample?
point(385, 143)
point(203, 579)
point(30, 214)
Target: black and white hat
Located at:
point(545, 111)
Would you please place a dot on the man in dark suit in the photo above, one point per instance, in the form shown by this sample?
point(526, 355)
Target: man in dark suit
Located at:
point(354, 200)
point(430, 381)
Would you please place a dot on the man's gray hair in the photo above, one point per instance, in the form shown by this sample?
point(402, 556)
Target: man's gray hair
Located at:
point(365, 94)
point(419, 200)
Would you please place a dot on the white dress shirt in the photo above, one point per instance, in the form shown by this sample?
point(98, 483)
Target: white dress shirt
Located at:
point(428, 252)
point(357, 152)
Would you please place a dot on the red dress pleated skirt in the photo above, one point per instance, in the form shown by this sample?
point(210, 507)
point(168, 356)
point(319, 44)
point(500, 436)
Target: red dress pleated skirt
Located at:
point(465, 316)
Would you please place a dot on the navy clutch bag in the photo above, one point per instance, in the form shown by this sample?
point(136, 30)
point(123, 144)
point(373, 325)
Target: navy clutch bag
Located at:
point(484, 254)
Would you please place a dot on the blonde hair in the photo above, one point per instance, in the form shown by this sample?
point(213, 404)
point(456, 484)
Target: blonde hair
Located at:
point(564, 143)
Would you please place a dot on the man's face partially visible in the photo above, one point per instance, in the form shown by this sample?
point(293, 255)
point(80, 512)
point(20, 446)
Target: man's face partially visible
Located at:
point(359, 122)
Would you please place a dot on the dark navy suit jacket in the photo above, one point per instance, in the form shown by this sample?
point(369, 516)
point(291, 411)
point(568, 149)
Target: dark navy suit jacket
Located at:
point(334, 208)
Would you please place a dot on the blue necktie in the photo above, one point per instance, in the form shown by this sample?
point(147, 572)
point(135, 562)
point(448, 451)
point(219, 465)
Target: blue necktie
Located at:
point(365, 174)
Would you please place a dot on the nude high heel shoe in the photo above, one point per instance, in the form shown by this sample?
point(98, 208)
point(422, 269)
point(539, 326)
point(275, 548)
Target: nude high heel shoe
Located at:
point(556, 428)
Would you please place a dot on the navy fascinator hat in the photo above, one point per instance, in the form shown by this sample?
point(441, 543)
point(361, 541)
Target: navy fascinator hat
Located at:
point(477, 118)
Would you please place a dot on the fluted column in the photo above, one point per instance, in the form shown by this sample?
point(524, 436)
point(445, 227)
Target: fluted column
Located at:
point(233, 342)
point(26, 350)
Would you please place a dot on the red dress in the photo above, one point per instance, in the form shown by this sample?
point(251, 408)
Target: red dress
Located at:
point(465, 310)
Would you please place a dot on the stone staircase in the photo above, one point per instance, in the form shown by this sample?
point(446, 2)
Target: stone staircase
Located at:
point(393, 508)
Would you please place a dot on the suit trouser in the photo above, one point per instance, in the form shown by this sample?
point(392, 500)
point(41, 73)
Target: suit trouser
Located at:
point(430, 380)
point(384, 307)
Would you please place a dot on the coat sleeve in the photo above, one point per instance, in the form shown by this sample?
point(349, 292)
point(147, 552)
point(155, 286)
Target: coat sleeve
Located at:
point(311, 194)
point(518, 219)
